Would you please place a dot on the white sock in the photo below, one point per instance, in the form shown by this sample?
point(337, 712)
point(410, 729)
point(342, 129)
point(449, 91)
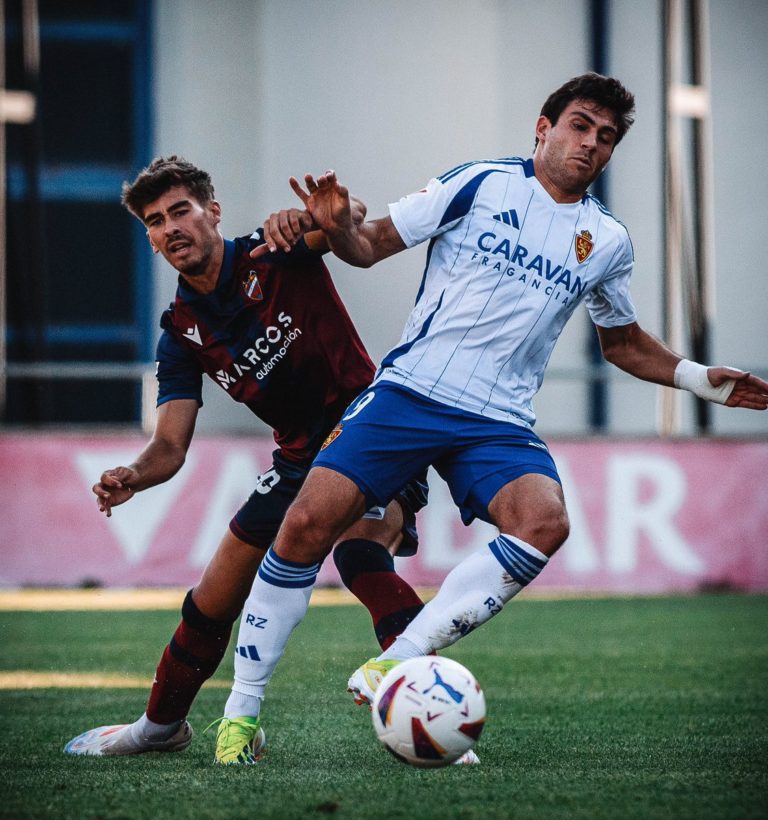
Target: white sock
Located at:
point(471, 594)
point(240, 705)
point(277, 603)
point(403, 651)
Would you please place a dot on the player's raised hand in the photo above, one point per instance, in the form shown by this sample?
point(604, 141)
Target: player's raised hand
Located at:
point(114, 488)
point(341, 218)
point(326, 199)
point(748, 391)
point(282, 230)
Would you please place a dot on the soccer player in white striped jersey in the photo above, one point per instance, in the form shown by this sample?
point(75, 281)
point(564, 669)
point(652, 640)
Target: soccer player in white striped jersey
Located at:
point(514, 246)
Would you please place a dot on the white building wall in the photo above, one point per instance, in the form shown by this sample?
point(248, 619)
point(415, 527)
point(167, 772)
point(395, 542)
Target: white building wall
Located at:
point(391, 93)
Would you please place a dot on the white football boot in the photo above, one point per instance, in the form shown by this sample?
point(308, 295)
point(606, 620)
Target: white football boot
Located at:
point(126, 739)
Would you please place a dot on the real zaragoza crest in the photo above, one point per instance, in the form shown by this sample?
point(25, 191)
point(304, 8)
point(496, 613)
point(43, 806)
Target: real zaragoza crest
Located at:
point(332, 436)
point(584, 245)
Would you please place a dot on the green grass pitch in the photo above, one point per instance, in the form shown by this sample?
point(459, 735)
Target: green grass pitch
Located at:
point(617, 708)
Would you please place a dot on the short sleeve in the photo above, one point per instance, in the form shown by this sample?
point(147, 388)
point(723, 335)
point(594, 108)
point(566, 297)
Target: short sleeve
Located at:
point(440, 206)
point(416, 216)
point(179, 376)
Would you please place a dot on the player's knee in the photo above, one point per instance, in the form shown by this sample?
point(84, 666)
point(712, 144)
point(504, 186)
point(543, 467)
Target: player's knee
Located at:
point(308, 532)
point(554, 529)
point(548, 529)
point(300, 521)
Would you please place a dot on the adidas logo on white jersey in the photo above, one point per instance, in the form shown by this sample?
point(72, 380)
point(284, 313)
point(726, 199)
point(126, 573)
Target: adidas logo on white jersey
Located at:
point(508, 218)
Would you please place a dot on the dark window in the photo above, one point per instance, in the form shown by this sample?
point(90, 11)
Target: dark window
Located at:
point(91, 265)
point(87, 102)
point(77, 274)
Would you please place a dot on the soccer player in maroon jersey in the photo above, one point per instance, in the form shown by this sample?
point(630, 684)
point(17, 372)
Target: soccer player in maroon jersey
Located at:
point(275, 335)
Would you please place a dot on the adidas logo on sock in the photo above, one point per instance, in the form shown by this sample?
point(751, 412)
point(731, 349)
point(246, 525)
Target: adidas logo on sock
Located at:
point(248, 652)
point(508, 218)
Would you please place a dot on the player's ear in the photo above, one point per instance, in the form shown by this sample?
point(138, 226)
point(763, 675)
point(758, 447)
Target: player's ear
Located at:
point(543, 125)
point(154, 247)
point(215, 207)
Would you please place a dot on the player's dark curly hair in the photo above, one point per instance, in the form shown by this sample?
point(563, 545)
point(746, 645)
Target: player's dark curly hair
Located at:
point(162, 174)
point(607, 92)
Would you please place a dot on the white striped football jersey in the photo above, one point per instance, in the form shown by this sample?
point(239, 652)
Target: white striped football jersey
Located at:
point(506, 267)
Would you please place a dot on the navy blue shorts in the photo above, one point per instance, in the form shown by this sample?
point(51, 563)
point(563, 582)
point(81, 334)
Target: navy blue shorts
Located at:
point(259, 519)
point(390, 433)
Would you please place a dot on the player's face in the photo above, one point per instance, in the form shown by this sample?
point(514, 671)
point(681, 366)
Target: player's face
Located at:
point(183, 231)
point(572, 153)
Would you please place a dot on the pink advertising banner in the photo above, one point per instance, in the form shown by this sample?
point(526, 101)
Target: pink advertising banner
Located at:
point(647, 516)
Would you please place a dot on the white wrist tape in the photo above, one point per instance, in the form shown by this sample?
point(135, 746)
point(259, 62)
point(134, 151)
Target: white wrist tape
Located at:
point(693, 376)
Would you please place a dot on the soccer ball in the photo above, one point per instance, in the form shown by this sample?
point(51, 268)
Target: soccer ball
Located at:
point(428, 711)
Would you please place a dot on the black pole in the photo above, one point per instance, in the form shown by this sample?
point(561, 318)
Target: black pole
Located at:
point(597, 386)
point(698, 296)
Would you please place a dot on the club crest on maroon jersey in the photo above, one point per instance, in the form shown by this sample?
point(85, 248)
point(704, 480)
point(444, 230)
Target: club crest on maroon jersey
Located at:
point(252, 287)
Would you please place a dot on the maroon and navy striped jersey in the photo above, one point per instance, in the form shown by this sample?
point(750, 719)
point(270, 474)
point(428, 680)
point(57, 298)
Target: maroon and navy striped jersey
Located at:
point(275, 335)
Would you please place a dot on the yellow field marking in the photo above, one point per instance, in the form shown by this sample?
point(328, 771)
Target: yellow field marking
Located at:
point(22, 679)
point(59, 600)
point(32, 600)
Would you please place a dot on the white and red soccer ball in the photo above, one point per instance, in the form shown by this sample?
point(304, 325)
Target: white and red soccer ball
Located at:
point(428, 711)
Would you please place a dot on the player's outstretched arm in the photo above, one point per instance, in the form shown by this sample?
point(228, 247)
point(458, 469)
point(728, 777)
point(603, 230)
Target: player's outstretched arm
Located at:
point(158, 461)
point(335, 212)
point(283, 229)
point(637, 352)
